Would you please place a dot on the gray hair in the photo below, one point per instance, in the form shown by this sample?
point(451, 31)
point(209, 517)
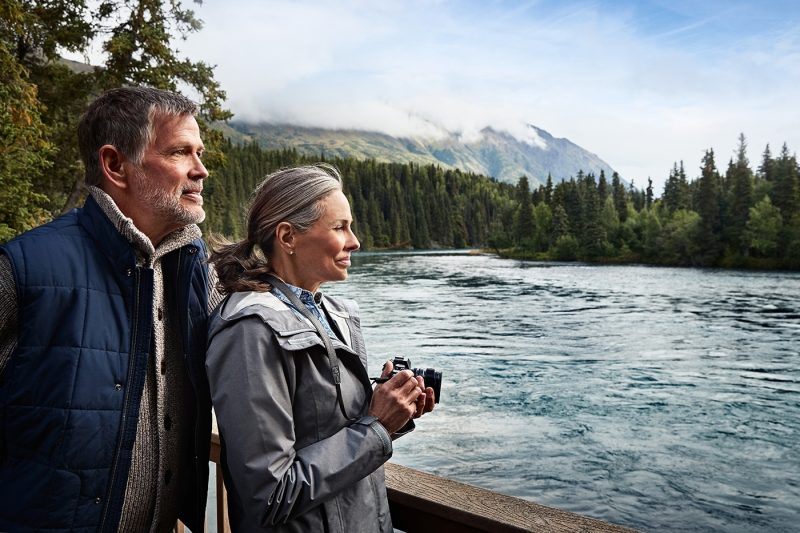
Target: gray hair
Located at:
point(125, 118)
point(290, 195)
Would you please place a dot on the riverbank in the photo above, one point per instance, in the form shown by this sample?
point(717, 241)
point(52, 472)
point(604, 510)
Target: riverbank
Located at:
point(733, 263)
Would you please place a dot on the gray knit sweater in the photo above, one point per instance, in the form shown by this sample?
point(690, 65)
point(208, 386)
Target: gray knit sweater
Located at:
point(151, 495)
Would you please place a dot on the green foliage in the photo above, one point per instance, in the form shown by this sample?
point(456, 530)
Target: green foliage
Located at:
point(738, 199)
point(566, 248)
point(24, 150)
point(763, 227)
point(422, 206)
point(394, 205)
point(543, 221)
point(679, 238)
point(136, 38)
point(708, 207)
point(711, 221)
point(524, 225)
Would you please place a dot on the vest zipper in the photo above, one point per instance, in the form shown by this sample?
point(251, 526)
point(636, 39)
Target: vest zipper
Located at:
point(188, 363)
point(125, 401)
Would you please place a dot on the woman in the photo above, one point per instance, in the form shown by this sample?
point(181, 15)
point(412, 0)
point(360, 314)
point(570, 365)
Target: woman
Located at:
point(304, 437)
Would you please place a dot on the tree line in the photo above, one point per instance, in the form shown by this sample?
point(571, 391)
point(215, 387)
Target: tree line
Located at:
point(739, 218)
point(394, 205)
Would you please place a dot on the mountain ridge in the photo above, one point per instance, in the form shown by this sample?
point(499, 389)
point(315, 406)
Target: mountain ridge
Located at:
point(494, 153)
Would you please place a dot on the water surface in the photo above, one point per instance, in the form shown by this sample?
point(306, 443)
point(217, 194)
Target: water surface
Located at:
point(663, 399)
point(659, 398)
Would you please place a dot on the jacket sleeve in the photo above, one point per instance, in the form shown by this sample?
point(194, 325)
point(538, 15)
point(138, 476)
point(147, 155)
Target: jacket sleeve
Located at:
point(251, 386)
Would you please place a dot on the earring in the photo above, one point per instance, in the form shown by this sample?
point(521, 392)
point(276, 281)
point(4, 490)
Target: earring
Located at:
point(291, 252)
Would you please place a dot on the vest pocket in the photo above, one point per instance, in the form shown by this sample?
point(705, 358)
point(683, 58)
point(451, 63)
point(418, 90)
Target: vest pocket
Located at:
point(36, 496)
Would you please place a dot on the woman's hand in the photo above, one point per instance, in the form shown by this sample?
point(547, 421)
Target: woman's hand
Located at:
point(400, 398)
point(426, 400)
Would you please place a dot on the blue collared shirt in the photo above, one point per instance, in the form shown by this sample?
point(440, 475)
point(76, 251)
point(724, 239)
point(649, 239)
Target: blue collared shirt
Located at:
point(311, 301)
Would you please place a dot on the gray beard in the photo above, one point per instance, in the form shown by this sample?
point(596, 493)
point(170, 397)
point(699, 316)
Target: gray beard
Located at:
point(165, 205)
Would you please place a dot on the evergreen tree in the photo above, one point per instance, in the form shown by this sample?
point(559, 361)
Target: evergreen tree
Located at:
point(636, 197)
point(620, 196)
point(766, 169)
point(568, 196)
point(24, 149)
point(548, 190)
point(543, 217)
point(602, 187)
point(670, 196)
point(786, 189)
point(708, 202)
point(740, 178)
point(136, 39)
point(524, 229)
point(420, 234)
point(560, 226)
point(592, 237)
point(676, 190)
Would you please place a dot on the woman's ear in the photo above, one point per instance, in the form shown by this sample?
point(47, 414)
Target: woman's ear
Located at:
point(113, 166)
point(284, 237)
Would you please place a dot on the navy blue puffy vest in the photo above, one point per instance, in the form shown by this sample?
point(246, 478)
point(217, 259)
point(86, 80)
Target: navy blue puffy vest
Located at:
point(70, 394)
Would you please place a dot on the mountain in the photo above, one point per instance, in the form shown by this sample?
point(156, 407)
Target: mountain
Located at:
point(495, 153)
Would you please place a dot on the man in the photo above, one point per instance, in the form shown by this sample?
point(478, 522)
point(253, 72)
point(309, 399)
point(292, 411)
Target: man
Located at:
point(104, 405)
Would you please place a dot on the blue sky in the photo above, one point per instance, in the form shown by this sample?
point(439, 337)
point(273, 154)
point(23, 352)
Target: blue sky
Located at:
point(641, 84)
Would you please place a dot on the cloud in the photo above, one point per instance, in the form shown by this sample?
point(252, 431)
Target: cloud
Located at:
point(642, 85)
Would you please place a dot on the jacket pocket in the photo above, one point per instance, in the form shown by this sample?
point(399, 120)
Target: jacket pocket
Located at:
point(296, 340)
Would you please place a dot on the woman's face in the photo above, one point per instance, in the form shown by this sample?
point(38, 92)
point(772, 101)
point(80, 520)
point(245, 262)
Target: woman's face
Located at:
point(323, 252)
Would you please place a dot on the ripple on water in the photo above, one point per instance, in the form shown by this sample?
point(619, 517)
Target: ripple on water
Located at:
point(664, 399)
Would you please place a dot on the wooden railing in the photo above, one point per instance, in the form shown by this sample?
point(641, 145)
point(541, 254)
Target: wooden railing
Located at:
point(422, 502)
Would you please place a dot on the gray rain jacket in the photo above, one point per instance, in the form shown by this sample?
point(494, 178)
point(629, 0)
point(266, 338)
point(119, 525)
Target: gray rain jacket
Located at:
point(291, 460)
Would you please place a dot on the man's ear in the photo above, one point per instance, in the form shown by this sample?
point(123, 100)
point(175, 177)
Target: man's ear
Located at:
point(114, 166)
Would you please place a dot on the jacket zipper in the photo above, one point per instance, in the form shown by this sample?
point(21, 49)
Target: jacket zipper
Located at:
point(125, 401)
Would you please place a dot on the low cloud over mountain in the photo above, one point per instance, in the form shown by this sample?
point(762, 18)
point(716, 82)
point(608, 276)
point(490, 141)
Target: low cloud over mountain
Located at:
point(493, 152)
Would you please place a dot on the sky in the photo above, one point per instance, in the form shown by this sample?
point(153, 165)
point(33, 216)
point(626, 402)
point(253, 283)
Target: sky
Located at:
point(642, 84)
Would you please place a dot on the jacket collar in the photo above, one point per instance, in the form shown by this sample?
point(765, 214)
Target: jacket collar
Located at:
point(116, 234)
point(279, 315)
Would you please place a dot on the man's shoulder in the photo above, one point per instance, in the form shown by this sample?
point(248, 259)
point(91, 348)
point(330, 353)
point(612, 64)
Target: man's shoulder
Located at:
point(59, 231)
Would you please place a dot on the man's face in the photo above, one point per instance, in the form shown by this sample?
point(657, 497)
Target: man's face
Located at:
point(166, 188)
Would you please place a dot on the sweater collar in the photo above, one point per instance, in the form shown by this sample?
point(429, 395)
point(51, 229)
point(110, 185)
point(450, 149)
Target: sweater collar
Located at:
point(141, 243)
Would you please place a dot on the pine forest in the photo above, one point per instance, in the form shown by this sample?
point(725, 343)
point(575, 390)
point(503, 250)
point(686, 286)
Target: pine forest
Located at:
point(741, 218)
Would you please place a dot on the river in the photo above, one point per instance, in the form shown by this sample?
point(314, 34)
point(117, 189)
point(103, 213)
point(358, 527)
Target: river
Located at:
point(658, 398)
